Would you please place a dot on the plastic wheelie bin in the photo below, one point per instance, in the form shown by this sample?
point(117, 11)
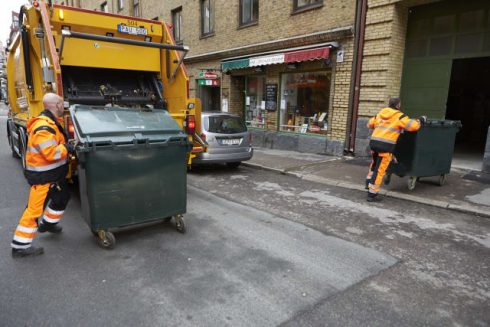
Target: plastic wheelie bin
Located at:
point(132, 168)
point(427, 152)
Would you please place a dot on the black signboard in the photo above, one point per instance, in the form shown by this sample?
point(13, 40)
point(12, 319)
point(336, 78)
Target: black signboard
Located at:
point(271, 97)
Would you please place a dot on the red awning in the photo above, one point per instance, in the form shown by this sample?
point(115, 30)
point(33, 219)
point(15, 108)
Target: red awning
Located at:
point(312, 54)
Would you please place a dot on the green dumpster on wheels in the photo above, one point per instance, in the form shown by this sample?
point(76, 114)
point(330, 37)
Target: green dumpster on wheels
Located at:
point(131, 168)
point(427, 152)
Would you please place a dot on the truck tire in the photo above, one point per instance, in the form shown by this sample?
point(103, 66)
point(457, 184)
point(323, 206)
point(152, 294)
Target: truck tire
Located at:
point(23, 147)
point(11, 141)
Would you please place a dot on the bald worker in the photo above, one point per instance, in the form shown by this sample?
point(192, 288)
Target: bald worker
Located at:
point(47, 157)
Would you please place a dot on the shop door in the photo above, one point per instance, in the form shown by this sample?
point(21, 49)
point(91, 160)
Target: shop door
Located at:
point(425, 88)
point(210, 98)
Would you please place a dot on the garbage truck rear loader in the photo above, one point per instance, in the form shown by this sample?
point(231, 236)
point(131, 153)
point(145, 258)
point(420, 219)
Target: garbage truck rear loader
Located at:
point(95, 58)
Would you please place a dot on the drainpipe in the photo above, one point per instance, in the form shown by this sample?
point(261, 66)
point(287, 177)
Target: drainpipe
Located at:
point(355, 89)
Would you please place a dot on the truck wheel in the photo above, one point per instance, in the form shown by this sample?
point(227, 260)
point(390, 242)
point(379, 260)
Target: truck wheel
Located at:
point(11, 143)
point(22, 147)
point(412, 180)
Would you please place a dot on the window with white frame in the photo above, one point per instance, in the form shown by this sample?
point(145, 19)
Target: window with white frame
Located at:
point(249, 11)
point(207, 17)
point(177, 24)
point(104, 7)
point(120, 5)
point(136, 8)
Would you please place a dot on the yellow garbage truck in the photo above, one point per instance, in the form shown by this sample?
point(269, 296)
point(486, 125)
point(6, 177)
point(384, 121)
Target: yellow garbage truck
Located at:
point(95, 58)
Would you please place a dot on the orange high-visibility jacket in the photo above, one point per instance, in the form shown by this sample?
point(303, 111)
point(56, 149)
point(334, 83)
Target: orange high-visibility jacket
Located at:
point(388, 124)
point(46, 154)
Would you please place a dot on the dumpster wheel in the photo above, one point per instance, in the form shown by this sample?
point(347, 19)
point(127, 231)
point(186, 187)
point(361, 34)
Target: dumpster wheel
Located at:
point(106, 239)
point(180, 224)
point(442, 179)
point(412, 181)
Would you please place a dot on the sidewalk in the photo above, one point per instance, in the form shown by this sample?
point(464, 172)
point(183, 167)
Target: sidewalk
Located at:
point(464, 191)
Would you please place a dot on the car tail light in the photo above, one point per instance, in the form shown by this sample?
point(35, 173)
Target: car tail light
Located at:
point(190, 124)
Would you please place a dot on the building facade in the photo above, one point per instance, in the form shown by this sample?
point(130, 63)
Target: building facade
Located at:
point(285, 66)
point(307, 74)
point(435, 55)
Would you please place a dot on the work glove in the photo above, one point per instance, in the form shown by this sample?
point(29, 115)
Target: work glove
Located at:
point(423, 120)
point(70, 148)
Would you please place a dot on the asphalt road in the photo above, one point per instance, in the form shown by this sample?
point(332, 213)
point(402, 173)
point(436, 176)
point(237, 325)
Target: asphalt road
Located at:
point(262, 249)
point(236, 266)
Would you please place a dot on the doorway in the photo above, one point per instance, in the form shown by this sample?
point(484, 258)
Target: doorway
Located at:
point(210, 97)
point(469, 101)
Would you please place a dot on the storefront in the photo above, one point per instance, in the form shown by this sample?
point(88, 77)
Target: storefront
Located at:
point(288, 91)
point(208, 90)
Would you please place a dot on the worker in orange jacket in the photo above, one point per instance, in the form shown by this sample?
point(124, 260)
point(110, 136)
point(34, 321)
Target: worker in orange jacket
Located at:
point(387, 126)
point(47, 157)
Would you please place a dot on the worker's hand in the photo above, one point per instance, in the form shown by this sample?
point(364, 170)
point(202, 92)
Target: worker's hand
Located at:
point(423, 120)
point(70, 148)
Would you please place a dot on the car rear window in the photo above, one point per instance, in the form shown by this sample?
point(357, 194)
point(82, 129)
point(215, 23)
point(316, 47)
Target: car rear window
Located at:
point(225, 125)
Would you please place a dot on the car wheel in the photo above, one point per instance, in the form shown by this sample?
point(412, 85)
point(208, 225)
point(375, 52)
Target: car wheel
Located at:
point(233, 164)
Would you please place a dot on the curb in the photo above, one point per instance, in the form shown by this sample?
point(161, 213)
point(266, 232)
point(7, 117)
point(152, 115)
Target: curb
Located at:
point(407, 197)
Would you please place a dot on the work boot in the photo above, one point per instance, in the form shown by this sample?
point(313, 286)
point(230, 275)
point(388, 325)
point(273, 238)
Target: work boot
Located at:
point(373, 198)
point(52, 228)
point(30, 251)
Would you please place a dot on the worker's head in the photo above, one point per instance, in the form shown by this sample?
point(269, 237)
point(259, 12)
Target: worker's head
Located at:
point(394, 103)
point(53, 103)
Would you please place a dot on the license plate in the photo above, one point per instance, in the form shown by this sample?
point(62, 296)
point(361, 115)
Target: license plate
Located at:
point(131, 30)
point(230, 141)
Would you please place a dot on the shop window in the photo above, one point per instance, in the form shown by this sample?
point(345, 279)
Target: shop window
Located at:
point(302, 5)
point(177, 25)
point(136, 8)
point(304, 103)
point(255, 113)
point(120, 5)
point(207, 17)
point(249, 12)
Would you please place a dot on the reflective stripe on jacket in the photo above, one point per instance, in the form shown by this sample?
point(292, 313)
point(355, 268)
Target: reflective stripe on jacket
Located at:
point(388, 124)
point(46, 155)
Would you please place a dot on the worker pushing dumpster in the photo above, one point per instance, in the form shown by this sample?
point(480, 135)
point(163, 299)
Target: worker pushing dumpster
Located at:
point(132, 168)
point(425, 153)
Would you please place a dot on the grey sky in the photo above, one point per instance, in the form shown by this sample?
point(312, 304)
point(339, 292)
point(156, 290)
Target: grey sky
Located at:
point(6, 7)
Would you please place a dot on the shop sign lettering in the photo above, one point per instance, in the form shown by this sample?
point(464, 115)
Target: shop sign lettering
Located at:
point(267, 60)
point(208, 75)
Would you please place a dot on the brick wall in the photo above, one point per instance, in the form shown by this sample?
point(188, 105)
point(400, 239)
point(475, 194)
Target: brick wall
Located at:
point(386, 25)
point(272, 15)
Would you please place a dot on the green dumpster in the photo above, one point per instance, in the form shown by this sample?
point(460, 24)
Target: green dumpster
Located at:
point(132, 168)
point(427, 152)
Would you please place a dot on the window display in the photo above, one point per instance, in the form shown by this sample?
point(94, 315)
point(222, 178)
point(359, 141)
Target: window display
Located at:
point(305, 102)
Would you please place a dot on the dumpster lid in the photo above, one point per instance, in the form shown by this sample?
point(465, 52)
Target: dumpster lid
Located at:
point(123, 124)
